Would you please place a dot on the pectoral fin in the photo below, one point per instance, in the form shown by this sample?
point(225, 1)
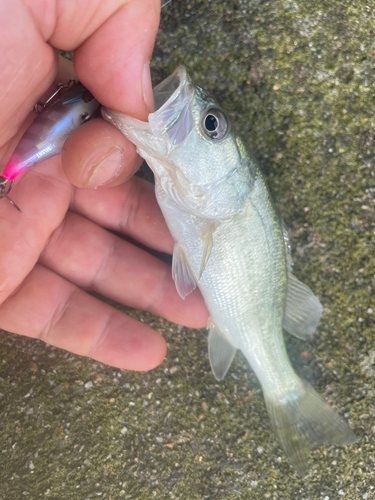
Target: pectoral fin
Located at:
point(207, 243)
point(302, 310)
point(220, 352)
point(181, 273)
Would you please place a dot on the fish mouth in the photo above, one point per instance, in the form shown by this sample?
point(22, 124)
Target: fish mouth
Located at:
point(172, 118)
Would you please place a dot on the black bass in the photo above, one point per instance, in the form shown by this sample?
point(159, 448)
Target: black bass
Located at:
point(231, 243)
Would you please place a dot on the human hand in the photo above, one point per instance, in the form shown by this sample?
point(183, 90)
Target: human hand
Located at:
point(60, 245)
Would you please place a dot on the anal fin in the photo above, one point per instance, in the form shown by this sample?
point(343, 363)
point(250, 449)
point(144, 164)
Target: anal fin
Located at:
point(220, 352)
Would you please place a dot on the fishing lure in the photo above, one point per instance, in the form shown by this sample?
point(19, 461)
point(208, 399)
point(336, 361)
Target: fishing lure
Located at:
point(66, 109)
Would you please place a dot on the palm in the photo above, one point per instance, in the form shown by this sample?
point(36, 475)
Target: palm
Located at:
point(50, 254)
point(59, 246)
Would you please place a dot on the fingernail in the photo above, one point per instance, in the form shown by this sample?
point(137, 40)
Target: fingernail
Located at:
point(148, 96)
point(107, 169)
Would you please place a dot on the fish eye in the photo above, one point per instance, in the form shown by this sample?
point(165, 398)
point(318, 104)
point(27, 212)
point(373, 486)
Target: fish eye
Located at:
point(214, 124)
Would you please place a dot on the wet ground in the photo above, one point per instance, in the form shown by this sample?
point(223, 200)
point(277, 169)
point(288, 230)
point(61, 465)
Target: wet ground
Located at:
point(297, 79)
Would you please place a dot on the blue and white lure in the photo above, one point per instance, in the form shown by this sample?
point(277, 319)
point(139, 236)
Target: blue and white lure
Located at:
point(66, 109)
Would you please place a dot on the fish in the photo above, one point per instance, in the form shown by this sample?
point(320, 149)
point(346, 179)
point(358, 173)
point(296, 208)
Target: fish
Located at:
point(231, 243)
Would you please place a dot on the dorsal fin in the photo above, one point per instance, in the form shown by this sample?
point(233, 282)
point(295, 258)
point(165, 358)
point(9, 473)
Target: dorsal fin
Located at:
point(303, 309)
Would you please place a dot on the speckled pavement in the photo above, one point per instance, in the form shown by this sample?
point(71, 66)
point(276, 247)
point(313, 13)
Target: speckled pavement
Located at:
point(297, 78)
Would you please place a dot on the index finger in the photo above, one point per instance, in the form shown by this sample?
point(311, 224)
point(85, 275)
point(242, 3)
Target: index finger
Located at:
point(113, 61)
point(113, 42)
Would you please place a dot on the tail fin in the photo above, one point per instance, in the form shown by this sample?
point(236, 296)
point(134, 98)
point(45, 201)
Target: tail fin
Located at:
point(304, 419)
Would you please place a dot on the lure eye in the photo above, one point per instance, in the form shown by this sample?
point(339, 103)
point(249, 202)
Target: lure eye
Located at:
point(85, 117)
point(214, 124)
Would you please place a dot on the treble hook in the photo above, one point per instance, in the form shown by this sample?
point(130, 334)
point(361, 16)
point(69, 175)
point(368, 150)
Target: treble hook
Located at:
point(4, 191)
point(60, 87)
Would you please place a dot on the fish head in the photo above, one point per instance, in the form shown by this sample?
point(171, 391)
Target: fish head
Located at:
point(188, 142)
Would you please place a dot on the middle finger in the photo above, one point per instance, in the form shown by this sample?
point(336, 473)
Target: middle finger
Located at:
point(130, 209)
point(96, 259)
